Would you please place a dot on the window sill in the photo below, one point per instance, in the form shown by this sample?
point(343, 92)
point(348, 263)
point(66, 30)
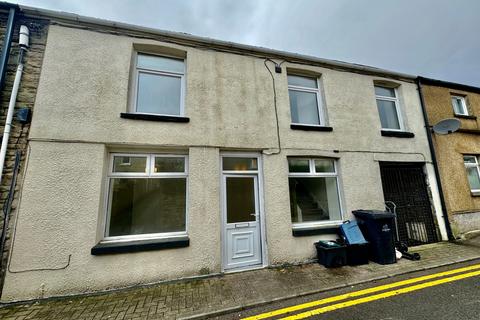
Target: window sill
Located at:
point(397, 134)
point(462, 116)
point(330, 229)
point(475, 193)
point(139, 245)
point(307, 127)
point(153, 117)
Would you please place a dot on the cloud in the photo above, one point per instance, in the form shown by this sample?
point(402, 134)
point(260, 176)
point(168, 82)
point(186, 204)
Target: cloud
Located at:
point(434, 38)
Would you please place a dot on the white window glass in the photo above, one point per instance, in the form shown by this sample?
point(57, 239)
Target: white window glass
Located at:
point(385, 92)
point(459, 105)
point(169, 164)
point(159, 85)
point(158, 63)
point(129, 164)
point(388, 108)
point(158, 94)
point(305, 102)
point(388, 114)
point(304, 107)
point(298, 165)
point(300, 81)
point(314, 193)
point(324, 165)
point(145, 203)
point(473, 172)
point(239, 164)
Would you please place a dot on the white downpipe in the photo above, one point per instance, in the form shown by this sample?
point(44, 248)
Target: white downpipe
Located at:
point(13, 98)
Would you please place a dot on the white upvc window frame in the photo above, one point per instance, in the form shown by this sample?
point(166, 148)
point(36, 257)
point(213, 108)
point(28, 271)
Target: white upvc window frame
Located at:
point(463, 101)
point(138, 70)
point(313, 174)
point(149, 174)
point(396, 100)
point(472, 165)
point(318, 93)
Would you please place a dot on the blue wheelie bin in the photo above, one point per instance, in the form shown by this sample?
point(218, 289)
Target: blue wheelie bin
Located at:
point(378, 227)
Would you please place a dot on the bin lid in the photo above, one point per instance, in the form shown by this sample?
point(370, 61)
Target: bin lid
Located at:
point(328, 244)
point(352, 233)
point(373, 214)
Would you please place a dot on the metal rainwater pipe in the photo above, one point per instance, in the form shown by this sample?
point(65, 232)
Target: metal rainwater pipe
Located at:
point(23, 43)
point(7, 42)
point(448, 227)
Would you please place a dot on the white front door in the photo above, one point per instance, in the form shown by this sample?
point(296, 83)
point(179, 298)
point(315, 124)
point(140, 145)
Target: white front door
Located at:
point(241, 215)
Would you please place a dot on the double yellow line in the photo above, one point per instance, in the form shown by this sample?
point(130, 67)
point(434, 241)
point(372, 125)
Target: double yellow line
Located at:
point(382, 295)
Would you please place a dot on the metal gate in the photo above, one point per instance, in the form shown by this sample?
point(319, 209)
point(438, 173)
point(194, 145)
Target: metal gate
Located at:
point(404, 184)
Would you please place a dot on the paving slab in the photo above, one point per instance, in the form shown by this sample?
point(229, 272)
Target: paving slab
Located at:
point(202, 298)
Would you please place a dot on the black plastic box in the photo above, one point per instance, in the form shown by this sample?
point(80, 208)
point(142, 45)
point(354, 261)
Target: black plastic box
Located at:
point(357, 254)
point(331, 254)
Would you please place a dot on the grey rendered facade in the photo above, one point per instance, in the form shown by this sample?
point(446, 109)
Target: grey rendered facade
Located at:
point(233, 103)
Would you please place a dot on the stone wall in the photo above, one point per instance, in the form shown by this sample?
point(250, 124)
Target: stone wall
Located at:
point(26, 98)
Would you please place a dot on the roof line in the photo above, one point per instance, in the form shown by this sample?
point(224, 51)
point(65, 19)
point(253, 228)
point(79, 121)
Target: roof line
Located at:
point(447, 84)
point(205, 40)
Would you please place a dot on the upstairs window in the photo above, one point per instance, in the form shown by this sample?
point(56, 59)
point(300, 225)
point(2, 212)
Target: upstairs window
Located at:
point(473, 172)
point(388, 108)
point(159, 85)
point(305, 101)
point(314, 191)
point(459, 105)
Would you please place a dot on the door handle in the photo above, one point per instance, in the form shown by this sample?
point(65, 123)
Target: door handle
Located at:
point(254, 214)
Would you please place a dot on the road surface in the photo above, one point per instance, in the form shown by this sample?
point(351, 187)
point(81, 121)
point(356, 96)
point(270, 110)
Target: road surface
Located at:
point(442, 294)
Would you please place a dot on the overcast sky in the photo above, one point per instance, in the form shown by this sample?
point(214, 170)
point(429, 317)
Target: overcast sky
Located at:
point(433, 38)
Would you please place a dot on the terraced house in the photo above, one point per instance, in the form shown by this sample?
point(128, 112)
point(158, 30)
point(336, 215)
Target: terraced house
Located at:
point(155, 155)
point(457, 152)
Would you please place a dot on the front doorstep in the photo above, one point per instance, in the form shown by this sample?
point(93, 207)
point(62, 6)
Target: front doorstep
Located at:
point(243, 269)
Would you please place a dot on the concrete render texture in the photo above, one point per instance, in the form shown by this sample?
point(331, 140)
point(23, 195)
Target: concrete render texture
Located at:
point(213, 296)
point(84, 86)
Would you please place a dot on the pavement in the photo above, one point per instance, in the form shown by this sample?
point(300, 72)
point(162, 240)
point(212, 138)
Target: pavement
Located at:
point(220, 295)
point(443, 293)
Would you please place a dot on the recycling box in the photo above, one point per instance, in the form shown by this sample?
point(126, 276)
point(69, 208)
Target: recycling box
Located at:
point(357, 246)
point(331, 253)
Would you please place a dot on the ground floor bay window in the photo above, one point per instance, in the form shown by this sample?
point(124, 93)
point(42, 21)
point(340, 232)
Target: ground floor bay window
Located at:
point(147, 195)
point(314, 192)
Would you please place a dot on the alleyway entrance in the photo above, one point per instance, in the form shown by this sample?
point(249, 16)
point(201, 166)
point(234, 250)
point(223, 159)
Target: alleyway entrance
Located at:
point(404, 185)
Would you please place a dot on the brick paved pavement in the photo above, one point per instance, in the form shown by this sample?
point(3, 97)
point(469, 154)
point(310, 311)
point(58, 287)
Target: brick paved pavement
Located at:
point(230, 292)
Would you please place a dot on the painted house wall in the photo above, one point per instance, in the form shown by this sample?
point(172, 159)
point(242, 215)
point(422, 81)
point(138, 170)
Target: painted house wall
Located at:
point(229, 99)
point(463, 207)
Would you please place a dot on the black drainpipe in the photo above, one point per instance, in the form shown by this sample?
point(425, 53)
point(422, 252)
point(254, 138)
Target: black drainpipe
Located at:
point(7, 41)
point(434, 161)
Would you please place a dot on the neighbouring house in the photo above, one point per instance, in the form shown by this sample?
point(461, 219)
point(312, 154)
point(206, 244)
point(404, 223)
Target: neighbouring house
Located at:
point(155, 155)
point(457, 153)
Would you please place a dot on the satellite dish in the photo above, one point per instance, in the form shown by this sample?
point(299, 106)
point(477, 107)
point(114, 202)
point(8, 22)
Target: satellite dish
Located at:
point(447, 126)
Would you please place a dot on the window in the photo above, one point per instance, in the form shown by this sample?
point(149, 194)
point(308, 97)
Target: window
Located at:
point(473, 172)
point(305, 101)
point(159, 85)
point(388, 108)
point(459, 105)
point(314, 191)
point(147, 195)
